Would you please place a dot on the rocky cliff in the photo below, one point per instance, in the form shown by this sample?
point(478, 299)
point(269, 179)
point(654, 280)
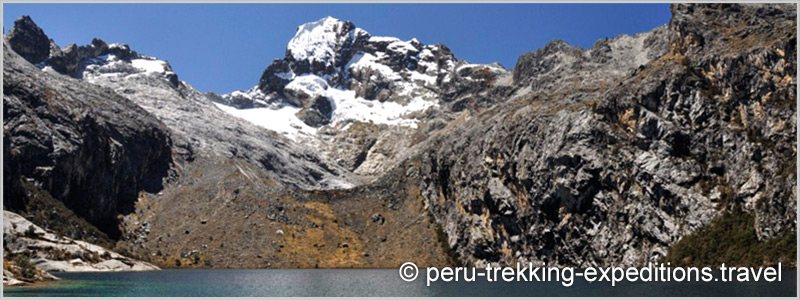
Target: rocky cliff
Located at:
point(632, 148)
point(75, 157)
point(86, 146)
point(355, 150)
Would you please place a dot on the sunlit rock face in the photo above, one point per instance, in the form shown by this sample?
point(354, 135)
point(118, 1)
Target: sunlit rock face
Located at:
point(579, 157)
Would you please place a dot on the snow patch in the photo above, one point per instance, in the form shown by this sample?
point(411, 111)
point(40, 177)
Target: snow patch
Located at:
point(425, 78)
point(493, 68)
point(110, 65)
point(401, 47)
point(308, 84)
point(49, 69)
point(383, 39)
point(364, 60)
point(281, 119)
point(346, 106)
point(150, 66)
point(349, 108)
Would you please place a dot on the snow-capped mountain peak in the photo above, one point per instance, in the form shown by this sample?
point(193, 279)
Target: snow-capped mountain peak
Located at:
point(320, 41)
point(337, 82)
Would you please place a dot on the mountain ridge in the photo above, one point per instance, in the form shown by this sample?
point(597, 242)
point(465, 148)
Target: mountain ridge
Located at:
point(577, 157)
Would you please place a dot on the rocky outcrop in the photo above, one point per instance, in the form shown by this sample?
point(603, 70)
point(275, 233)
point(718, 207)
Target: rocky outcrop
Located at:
point(34, 253)
point(71, 59)
point(728, 101)
point(252, 98)
point(29, 41)
point(630, 149)
point(89, 147)
point(558, 62)
point(317, 112)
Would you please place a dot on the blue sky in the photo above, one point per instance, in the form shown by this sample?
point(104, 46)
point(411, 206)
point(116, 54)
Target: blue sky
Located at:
point(225, 47)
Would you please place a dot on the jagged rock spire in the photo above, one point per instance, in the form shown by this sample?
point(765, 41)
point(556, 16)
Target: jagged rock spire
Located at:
point(28, 40)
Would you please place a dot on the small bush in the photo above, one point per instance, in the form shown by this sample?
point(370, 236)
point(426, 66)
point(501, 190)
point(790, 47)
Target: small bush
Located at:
point(31, 232)
point(26, 269)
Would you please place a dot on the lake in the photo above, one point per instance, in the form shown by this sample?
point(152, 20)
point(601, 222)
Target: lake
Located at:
point(338, 282)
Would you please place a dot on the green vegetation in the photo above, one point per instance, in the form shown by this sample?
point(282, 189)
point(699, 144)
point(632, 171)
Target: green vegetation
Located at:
point(25, 268)
point(731, 239)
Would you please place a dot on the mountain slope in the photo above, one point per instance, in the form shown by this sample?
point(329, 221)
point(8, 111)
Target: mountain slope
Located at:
point(73, 152)
point(94, 160)
point(610, 169)
point(362, 151)
point(232, 183)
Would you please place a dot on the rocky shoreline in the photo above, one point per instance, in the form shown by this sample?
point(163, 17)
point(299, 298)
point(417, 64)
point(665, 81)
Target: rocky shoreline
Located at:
point(46, 252)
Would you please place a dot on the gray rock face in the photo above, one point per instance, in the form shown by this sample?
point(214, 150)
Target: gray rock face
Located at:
point(28, 40)
point(740, 115)
point(558, 61)
point(69, 60)
point(316, 112)
point(579, 171)
point(473, 87)
point(89, 147)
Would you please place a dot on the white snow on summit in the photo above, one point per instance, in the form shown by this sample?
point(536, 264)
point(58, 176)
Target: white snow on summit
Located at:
point(318, 41)
point(386, 39)
point(364, 61)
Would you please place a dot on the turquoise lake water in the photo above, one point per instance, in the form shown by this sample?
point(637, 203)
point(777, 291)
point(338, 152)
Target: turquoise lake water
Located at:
point(321, 282)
